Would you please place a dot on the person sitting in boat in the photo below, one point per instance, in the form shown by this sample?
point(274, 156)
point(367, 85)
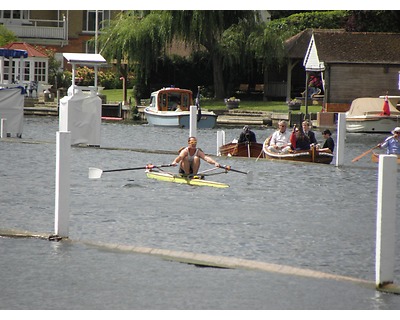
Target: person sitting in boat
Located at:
point(329, 144)
point(299, 140)
point(189, 158)
point(310, 134)
point(280, 139)
point(247, 135)
point(392, 143)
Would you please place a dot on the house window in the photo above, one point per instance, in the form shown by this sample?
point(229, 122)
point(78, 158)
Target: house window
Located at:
point(17, 16)
point(89, 20)
point(40, 71)
point(26, 70)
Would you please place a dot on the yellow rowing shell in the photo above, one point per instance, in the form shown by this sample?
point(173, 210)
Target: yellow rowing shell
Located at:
point(162, 176)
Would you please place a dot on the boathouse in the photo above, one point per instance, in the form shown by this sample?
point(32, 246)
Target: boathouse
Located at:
point(354, 64)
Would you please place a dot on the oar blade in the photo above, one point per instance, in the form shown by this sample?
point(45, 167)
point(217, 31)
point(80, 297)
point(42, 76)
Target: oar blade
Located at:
point(250, 176)
point(95, 173)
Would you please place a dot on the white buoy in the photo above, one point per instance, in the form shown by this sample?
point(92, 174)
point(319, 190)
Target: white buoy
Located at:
point(62, 206)
point(193, 122)
point(340, 141)
point(386, 220)
point(220, 140)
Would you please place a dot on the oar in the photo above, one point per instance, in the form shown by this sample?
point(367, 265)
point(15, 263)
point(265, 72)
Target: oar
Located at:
point(95, 173)
point(229, 168)
point(365, 153)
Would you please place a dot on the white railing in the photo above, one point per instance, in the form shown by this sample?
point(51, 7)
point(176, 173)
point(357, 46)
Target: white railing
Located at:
point(44, 29)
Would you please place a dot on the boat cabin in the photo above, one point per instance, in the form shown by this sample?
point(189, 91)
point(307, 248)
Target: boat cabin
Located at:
point(171, 99)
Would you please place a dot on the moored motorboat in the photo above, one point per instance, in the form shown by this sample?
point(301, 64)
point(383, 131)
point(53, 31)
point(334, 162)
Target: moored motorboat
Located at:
point(170, 107)
point(372, 115)
point(312, 155)
point(243, 149)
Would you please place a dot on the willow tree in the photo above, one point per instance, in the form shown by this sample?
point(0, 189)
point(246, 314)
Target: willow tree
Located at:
point(212, 31)
point(134, 41)
point(141, 37)
point(266, 44)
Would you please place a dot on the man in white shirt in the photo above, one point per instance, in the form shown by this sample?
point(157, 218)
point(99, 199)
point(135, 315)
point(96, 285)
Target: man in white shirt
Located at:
point(280, 140)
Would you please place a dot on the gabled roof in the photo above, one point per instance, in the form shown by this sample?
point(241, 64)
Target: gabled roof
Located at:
point(347, 47)
point(32, 52)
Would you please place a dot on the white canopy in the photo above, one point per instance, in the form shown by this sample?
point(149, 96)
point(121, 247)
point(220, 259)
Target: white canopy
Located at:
point(363, 106)
point(90, 59)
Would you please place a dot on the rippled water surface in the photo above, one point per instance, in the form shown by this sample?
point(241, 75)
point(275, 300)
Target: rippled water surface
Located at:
point(310, 216)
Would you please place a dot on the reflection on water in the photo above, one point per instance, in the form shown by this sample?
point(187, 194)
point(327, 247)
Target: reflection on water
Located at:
point(304, 215)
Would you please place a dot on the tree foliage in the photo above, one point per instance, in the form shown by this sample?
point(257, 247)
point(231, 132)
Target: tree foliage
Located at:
point(237, 43)
point(6, 36)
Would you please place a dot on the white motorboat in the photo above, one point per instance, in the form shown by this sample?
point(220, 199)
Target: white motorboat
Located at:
point(170, 107)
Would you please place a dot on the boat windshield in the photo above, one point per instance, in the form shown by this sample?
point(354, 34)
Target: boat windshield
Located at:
point(174, 101)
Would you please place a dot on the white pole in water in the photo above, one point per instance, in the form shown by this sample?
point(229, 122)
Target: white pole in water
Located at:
point(220, 140)
point(3, 127)
point(340, 140)
point(63, 152)
point(193, 122)
point(386, 220)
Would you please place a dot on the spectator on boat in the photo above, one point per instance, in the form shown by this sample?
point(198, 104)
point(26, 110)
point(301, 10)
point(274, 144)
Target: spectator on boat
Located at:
point(299, 140)
point(310, 134)
point(392, 143)
point(247, 135)
point(189, 158)
point(329, 144)
point(280, 139)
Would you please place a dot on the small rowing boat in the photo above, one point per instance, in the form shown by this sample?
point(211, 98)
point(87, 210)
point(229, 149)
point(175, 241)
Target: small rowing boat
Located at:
point(243, 149)
point(375, 158)
point(312, 155)
point(177, 178)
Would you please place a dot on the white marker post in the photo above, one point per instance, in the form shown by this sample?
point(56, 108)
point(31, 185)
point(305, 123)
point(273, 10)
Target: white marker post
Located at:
point(386, 220)
point(3, 128)
point(193, 121)
point(63, 153)
point(340, 141)
point(220, 140)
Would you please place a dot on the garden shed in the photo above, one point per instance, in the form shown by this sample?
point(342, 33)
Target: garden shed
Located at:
point(356, 64)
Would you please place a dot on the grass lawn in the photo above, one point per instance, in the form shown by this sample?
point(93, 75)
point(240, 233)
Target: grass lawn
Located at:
point(115, 95)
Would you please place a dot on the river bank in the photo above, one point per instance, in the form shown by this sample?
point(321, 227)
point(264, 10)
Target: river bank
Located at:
point(228, 117)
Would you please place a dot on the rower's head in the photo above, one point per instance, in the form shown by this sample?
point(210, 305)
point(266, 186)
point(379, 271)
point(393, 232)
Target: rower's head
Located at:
point(192, 142)
point(396, 131)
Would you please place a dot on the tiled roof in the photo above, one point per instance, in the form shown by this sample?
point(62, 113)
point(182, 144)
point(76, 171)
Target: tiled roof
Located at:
point(351, 47)
point(32, 52)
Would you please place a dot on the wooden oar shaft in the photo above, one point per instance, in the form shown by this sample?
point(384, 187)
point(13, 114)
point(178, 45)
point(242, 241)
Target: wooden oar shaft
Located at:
point(365, 153)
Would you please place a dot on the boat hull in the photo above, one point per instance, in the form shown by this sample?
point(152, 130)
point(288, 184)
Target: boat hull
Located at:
point(366, 115)
point(248, 150)
point(367, 124)
point(375, 158)
point(311, 155)
point(163, 176)
point(179, 119)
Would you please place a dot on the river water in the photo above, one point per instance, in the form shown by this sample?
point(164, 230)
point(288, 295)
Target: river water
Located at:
point(310, 216)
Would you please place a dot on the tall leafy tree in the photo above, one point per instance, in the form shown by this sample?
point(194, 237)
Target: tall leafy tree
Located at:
point(210, 30)
point(140, 37)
